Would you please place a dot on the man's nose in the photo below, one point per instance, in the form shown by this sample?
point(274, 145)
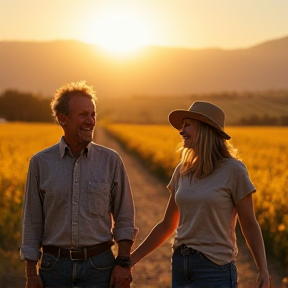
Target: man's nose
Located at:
point(91, 120)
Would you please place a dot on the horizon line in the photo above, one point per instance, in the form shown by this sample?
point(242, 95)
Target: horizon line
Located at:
point(148, 45)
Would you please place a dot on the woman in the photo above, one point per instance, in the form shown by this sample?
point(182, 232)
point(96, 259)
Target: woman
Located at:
point(209, 188)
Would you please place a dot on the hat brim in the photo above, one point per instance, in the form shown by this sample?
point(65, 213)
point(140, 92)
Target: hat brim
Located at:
point(176, 118)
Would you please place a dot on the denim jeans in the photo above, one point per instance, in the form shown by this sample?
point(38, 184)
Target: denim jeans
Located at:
point(94, 272)
point(191, 269)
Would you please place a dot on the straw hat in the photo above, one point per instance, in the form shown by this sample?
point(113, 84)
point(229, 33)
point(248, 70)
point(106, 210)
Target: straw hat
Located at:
point(202, 111)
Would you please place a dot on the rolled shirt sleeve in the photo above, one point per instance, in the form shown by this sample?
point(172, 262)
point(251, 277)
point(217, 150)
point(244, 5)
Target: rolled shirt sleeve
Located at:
point(32, 225)
point(123, 209)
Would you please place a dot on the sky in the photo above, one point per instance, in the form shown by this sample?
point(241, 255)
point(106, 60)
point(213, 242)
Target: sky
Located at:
point(129, 24)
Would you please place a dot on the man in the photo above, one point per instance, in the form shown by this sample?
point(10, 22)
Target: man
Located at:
point(78, 202)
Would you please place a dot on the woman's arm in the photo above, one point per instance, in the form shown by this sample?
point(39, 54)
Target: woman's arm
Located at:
point(159, 234)
point(253, 236)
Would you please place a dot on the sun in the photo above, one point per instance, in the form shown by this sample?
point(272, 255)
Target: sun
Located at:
point(120, 30)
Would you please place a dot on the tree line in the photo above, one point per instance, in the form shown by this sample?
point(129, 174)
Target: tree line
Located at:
point(265, 120)
point(28, 107)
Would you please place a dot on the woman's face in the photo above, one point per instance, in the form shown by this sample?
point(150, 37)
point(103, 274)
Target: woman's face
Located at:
point(189, 131)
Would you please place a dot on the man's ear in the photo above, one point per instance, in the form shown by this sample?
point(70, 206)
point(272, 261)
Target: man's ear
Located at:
point(62, 119)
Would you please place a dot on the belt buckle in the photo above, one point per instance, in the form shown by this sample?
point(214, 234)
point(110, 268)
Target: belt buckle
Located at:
point(71, 251)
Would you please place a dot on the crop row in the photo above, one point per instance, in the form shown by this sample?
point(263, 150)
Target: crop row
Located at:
point(18, 142)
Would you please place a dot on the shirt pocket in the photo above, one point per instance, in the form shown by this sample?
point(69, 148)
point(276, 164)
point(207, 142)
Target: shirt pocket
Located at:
point(98, 198)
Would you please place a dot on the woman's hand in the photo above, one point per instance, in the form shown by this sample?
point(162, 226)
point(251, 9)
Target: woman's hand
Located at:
point(264, 280)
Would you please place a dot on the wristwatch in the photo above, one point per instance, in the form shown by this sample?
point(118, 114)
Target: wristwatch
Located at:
point(123, 261)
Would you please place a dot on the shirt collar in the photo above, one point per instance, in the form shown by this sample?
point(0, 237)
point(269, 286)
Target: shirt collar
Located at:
point(63, 148)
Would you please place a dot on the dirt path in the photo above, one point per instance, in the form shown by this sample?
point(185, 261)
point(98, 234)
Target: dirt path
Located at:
point(150, 196)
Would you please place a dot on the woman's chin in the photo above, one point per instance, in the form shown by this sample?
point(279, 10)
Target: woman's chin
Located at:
point(186, 144)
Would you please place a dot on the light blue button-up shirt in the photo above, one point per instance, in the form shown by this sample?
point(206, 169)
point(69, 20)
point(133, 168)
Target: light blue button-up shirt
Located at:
point(72, 202)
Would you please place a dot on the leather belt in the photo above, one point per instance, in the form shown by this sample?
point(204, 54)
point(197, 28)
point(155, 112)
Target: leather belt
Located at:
point(186, 251)
point(78, 253)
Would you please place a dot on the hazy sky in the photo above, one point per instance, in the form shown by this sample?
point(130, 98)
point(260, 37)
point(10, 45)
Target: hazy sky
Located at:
point(226, 24)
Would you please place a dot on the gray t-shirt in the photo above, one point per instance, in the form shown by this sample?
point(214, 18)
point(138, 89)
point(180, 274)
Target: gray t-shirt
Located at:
point(207, 209)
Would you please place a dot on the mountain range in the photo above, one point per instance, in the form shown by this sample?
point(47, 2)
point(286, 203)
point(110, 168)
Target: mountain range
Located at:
point(41, 67)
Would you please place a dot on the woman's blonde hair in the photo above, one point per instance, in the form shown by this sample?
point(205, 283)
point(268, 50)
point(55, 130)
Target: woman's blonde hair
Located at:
point(205, 153)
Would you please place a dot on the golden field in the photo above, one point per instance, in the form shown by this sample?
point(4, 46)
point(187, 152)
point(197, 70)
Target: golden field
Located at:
point(18, 142)
point(264, 150)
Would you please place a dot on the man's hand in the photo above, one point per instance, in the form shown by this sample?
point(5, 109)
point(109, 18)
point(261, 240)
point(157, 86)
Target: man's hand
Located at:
point(121, 277)
point(34, 282)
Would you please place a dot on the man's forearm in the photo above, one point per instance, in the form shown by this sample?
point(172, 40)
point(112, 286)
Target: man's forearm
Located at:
point(30, 268)
point(124, 248)
point(33, 280)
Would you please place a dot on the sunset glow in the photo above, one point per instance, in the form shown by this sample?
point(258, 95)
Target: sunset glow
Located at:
point(119, 30)
point(127, 24)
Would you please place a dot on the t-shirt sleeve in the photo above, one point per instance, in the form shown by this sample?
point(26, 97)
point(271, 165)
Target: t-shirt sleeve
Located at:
point(241, 184)
point(173, 184)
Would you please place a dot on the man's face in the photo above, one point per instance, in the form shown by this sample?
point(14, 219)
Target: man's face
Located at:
point(79, 124)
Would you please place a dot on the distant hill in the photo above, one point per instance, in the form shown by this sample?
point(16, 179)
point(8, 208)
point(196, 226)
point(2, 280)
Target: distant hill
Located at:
point(41, 67)
point(266, 108)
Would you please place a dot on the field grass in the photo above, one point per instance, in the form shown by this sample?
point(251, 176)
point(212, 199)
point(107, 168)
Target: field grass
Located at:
point(264, 150)
point(18, 142)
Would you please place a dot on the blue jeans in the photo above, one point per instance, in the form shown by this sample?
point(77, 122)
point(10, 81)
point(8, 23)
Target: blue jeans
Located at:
point(94, 272)
point(191, 269)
